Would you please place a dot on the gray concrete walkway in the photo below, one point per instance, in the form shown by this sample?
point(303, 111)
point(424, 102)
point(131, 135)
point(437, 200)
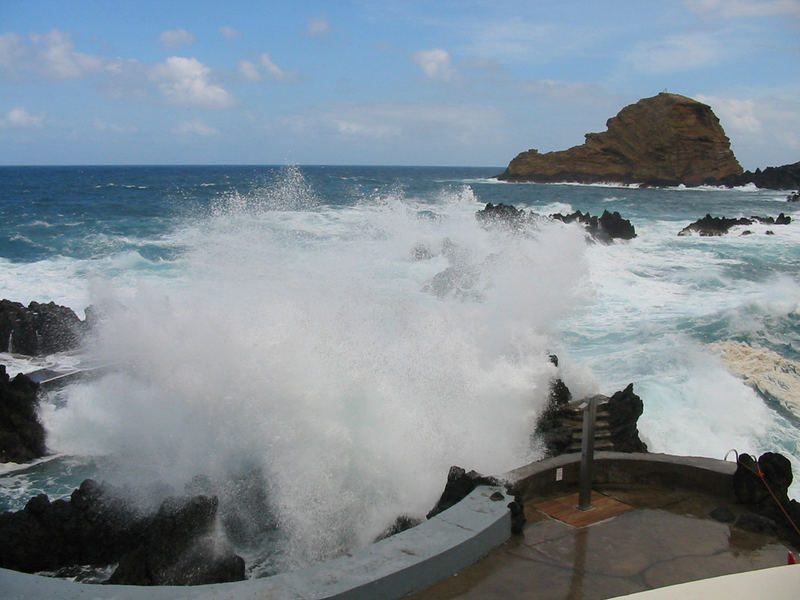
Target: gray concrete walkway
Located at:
point(667, 538)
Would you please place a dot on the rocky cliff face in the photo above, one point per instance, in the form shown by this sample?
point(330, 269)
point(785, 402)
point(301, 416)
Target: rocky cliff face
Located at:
point(664, 140)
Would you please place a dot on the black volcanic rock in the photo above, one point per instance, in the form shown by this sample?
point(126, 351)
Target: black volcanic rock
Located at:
point(785, 177)
point(93, 527)
point(763, 487)
point(98, 526)
point(559, 425)
point(624, 410)
point(607, 227)
point(616, 227)
point(554, 426)
point(713, 226)
point(22, 437)
point(459, 485)
point(175, 550)
point(501, 212)
point(38, 328)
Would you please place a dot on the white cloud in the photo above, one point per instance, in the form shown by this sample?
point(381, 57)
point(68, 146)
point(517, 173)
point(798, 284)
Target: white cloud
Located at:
point(734, 114)
point(274, 70)
point(186, 81)
point(675, 53)
point(21, 118)
point(746, 8)
point(436, 64)
point(763, 129)
point(194, 127)
point(230, 32)
point(318, 26)
point(174, 38)
point(51, 55)
point(249, 71)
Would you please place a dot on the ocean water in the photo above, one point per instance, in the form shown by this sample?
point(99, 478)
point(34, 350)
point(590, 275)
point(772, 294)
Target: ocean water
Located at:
point(326, 342)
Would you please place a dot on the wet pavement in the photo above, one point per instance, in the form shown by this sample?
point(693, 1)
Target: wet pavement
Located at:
point(663, 537)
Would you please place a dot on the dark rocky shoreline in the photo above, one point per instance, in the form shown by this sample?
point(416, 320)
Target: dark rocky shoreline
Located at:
point(39, 329)
point(98, 526)
point(22, 437)
point(715, 226)
point(605, 228)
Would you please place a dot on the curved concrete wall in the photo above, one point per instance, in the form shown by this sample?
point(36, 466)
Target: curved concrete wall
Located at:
point(560, 474)
point(406, 562)
point(418, 557)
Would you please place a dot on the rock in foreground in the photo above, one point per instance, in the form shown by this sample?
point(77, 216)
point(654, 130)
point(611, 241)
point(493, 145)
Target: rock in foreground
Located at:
point(97, 526)
point(763, 487)
point(22, 437)
point(38, 328)
point(664, 140)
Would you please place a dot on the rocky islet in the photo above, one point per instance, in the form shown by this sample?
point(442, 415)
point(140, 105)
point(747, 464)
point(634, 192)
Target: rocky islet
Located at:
point(664, 140)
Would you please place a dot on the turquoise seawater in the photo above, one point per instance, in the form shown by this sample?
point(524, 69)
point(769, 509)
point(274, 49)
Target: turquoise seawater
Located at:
point(329, 340)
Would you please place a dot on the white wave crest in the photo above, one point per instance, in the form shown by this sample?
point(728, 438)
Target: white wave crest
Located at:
point(350, 354)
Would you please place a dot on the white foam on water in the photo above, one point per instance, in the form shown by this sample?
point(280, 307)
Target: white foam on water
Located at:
point(643, 315)
point(765, 370)
point(311, 343)
point(22, 363)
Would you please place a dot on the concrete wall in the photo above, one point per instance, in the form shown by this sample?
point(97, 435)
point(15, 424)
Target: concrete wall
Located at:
point(697, 473)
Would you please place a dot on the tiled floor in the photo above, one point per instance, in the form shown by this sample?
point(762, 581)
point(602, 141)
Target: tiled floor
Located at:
point(666, 538)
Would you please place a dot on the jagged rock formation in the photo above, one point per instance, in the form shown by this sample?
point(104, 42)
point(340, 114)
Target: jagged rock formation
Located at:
point(664, 140)
point(608, 226)
point(459, 484)
point(605, 228)
point(38, 328)
point(763, 487)
point(560, 425)
point(22, 437)
point(97, 526)
point(713, 226)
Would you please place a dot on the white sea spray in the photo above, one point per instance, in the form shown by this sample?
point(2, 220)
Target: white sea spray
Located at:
point(309, 339)
point(314, 347)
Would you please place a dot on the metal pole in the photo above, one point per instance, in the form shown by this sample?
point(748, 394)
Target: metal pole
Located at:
point(587, 454)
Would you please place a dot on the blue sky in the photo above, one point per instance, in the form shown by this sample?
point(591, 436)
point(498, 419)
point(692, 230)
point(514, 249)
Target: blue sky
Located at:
point(406, 83)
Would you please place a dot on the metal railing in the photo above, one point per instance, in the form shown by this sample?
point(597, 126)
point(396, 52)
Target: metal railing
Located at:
point(589, 408)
